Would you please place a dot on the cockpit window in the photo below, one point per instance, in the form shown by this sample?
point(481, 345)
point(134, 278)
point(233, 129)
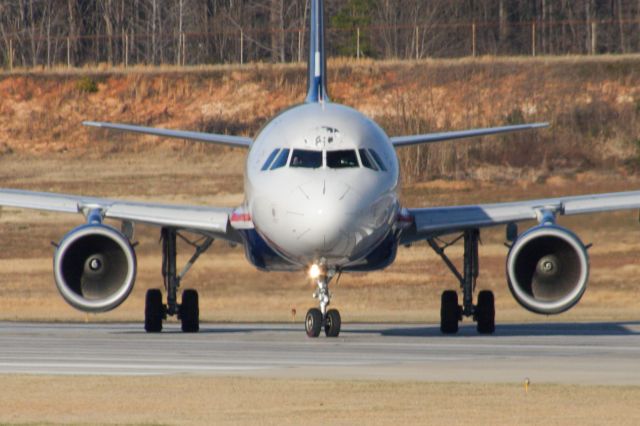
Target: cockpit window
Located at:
point(281, 161)
point(306, 159)
point(342, 159)
point(270, 159)
point(366, 160)
point(376, 157)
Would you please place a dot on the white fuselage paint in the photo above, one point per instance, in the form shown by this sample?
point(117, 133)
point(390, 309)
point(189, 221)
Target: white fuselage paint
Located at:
point(324, 215)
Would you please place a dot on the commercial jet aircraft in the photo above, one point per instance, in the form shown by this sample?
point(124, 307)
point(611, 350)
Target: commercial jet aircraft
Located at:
point(321, 196)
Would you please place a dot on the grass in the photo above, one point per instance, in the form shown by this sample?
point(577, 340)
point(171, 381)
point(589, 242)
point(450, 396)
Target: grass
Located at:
point(591, 102)
point(221, 400)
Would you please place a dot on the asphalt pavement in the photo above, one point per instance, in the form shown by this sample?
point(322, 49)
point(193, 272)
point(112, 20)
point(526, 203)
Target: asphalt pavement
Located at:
point(580, 353)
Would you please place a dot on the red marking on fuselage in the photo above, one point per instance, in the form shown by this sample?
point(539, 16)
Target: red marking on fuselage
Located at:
point(240, 217)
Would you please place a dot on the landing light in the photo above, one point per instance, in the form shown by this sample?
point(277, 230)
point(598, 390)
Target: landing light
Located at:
point(314, 271)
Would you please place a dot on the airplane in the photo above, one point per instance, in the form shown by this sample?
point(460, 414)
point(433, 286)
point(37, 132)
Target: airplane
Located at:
point(321, 196)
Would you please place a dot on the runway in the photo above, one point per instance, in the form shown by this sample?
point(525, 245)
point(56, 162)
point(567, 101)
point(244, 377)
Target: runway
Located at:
point(591, 353)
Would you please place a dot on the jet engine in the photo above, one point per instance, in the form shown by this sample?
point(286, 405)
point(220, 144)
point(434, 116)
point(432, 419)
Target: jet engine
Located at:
point(548, 269)
point(95, 268)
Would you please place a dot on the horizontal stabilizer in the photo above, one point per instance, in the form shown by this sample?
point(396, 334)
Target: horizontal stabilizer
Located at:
point(235, 141)
point(447, 136)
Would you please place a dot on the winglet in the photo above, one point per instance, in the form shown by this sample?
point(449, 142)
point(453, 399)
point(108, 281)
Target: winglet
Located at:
point(317, 90)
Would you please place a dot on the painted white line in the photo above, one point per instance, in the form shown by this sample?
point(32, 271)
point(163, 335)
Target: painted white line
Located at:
point(104, 366)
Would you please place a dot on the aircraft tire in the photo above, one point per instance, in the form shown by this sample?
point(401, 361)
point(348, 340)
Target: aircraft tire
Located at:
point(313, 322)
point(333, 323)
point(486, 313)
point(190, 311)
point(449, 312)
point(153, 311)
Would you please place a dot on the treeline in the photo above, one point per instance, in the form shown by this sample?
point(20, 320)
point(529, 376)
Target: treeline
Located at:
point(37, 33)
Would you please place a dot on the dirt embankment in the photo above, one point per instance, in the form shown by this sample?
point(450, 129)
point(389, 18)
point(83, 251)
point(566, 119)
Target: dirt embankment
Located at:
point(593, 105)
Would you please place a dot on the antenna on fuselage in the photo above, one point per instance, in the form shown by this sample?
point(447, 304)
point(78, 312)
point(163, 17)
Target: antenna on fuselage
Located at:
point(317, 90)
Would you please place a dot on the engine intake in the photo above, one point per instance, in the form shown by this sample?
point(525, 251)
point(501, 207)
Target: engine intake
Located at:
point(95, 268)
point(548, 269)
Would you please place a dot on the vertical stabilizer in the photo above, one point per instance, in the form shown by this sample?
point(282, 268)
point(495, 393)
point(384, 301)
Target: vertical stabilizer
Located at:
point(317, 90)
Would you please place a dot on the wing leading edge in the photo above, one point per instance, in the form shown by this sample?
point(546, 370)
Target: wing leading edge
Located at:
point(206, 220)
point(234, 141)
point(444, 220)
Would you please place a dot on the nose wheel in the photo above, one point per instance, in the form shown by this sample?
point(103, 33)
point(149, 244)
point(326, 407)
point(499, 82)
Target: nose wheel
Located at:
point(321, 318)
point(314, 323)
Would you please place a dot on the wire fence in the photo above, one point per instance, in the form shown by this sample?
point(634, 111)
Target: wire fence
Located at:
point(406, 41)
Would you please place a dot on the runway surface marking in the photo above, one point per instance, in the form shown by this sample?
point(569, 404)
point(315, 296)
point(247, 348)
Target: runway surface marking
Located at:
point(593, 353)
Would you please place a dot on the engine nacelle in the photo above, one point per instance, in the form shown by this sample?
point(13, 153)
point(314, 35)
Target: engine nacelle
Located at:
point(95, 268)
point(548, 269)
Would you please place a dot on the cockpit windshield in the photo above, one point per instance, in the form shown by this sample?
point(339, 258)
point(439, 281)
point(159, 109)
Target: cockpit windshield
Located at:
point(367, 161)
point(270, 159)
point(281, 161)
point(306, 159)
point(310, 159)
point(342, 159)
point(379, 161)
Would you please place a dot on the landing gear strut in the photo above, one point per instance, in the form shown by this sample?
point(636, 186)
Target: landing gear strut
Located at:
point(317, 319)
point(450, 312)
point(188, 312)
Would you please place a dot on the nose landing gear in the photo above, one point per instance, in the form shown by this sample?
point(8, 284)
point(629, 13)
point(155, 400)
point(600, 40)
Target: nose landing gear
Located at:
point(317, 319)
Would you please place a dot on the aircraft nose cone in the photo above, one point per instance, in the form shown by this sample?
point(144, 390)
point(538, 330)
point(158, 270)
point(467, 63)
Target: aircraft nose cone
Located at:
point(328, 226)
point(325, 216)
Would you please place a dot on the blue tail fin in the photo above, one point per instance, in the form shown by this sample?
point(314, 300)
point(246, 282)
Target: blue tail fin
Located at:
point(317, 90)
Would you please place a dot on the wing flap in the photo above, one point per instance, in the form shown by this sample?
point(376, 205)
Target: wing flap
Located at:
point(185, 217)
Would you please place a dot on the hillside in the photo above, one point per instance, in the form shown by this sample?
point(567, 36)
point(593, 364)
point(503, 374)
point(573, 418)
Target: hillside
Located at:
point(593, 105)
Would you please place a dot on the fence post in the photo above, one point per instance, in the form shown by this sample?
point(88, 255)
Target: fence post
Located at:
point(358, 43)
point(10, 54)
point(300, 45)
point(473, 40)
point(178, 55)
point(533, 39)
point(241, 47)
point(68, 52)
point(594, 37)
point(417, 43)
point(126, 50)
point(184, 49)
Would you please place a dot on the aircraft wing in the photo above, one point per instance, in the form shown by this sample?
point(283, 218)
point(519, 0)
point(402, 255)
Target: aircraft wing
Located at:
point(205, 220)
point(427, 222)
point(398, 141)
point(234, 141)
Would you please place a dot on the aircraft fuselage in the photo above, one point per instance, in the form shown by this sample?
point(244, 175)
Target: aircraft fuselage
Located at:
point(321, 186)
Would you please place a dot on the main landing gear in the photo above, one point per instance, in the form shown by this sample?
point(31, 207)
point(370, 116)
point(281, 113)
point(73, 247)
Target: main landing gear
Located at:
point(188, 311)
point(451, 313)
point(317, 319)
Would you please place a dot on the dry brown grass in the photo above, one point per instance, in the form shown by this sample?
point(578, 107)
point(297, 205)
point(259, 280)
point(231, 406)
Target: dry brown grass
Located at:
point(593, 104)
point(215, 400)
